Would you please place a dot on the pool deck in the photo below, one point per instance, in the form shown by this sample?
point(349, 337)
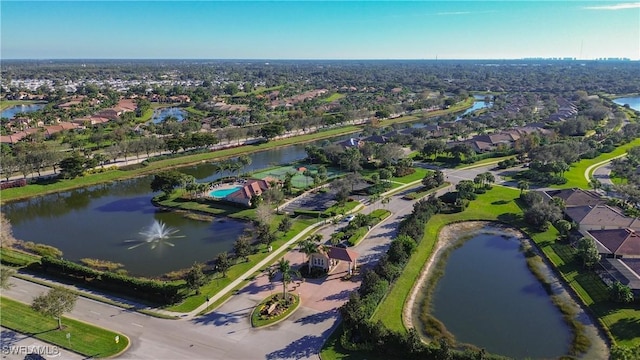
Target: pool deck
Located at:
point(225, 186)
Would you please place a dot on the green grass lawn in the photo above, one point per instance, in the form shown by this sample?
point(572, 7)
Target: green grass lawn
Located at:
point(419, 174)
point(333, 97)
point(575, 176)
point(86, 339)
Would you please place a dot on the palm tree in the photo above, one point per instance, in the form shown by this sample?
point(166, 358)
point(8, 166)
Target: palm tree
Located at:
point(284, 267)
point(489, 178)
point(308, 247)
point(244, 160)
point(523, 185)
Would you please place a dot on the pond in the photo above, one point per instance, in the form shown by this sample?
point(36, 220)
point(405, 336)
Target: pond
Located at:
point(161, 115)
point(110, 223)
point(488, 297)
point(633, 102)
point(11, 112)
point(480, 102)
point(99, 221)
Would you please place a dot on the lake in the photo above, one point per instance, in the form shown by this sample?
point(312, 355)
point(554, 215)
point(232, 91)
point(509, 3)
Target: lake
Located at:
point(103, 221)
point(633, 102)
point(161, 115)
point(488, 297)
point(11, 112)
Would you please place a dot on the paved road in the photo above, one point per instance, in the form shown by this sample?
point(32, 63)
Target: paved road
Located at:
point(603, 174)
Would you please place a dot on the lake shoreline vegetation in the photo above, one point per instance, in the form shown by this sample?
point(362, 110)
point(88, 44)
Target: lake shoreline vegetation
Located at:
point(581, 128)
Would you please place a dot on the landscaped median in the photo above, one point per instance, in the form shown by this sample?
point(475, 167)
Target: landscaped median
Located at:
point(273, 310)
point(84, 338)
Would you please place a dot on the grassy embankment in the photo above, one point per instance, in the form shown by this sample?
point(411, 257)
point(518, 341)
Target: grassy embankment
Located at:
point(575, 175)
point(86, 339)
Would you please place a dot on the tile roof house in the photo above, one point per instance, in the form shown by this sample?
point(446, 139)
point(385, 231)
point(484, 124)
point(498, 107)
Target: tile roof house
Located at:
point(600, 217)
point(617, 243)
point(328, 259)
point(576, 197)
point(253, 187)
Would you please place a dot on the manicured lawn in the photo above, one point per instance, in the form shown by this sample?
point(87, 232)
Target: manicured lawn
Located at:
point(16, 258)
point(575, 176)
point(333, 97)
point(86, 339)
point(489, 206)
point(419, 174)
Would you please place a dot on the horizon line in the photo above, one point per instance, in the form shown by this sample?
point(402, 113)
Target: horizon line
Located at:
point(554, 58)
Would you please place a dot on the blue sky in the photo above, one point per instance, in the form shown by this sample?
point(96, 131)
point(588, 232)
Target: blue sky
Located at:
point(319, 30)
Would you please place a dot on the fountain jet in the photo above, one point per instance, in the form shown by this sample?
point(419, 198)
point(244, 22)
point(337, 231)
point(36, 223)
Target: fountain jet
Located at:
point(156, 234)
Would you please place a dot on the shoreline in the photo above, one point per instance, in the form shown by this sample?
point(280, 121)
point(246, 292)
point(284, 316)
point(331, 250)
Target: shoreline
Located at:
point(449, 236)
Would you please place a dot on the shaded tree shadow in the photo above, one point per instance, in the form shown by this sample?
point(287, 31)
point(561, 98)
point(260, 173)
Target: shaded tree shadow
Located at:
point(10, 338)
point(318, 318)
point(253, 288)
point(305, 347)
point(222, 319)
point(342, 295)
point(501, 202)
point(510, 218)
point(626, 329)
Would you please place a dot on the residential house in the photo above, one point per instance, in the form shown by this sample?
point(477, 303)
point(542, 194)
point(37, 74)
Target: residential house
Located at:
point(576, 197)
point(251, 188)
point(600, 217)
point(330, 258)
point(620, 250)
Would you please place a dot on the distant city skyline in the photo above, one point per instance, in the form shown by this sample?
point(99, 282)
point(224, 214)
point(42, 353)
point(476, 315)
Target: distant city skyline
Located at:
point(319, 30)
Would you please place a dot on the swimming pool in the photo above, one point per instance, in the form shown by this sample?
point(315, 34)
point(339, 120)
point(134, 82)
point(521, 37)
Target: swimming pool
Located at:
point(221, 193)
